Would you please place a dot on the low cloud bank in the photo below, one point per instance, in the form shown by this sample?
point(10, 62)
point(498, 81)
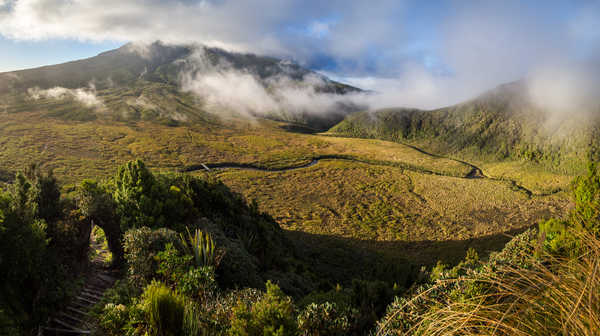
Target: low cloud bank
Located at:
point(86, 96)
point(224, 88)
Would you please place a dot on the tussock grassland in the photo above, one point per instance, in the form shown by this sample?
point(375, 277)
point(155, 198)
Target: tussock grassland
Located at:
point(531, 176)
point(364, 201)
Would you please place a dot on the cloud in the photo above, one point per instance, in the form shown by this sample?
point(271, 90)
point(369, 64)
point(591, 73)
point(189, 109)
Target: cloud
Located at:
point(223, 88)
point(413, 53)
point(85, 96)
point(565, 89)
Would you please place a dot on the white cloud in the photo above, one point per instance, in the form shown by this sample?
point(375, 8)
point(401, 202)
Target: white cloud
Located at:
point(85, 96)
point(223, 88)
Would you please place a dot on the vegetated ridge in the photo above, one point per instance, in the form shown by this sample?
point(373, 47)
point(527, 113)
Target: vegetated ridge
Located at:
point(500, 125)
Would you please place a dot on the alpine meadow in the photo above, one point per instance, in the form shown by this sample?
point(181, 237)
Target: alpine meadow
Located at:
point(299, 168)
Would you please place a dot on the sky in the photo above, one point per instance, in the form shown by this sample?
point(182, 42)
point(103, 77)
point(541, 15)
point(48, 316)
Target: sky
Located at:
point(427, 53)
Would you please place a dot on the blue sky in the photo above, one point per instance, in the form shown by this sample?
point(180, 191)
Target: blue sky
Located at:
point(16, 55)
point(440, 48)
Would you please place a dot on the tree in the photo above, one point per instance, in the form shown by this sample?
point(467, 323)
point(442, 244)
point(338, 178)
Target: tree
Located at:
point(98, 206)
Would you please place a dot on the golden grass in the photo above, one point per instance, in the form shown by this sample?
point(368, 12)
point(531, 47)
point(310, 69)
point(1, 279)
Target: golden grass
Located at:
point(556, 296)
point(379, 202)
point(534, 178)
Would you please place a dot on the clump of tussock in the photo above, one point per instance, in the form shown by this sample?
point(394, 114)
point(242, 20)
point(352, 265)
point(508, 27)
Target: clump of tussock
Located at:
point(548, 295)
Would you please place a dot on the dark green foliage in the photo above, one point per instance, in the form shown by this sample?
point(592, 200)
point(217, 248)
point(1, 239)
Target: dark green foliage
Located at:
point(272, 315)
point(586, 191)
point(198, 283)
point(171, 264)
point(178, 201)
point(201, 246)
point(113, 319)
point(558, 235)
point(42, 245)
point(325, 319)
point(371, 299)
point(142, 200)
point(141, 247)
point(8, 326)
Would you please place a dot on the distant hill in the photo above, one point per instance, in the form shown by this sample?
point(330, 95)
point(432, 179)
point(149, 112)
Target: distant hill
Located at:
point(498, 125)
point(144, 82)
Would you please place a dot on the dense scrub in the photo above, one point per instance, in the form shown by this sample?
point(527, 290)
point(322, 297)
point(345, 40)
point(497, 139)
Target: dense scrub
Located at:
point(43, 242)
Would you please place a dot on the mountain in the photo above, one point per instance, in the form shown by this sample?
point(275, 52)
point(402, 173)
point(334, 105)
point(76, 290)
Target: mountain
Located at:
point(148, 82)
point(501, 124)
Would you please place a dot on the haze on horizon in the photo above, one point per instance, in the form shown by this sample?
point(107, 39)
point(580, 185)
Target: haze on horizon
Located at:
point(414, 54)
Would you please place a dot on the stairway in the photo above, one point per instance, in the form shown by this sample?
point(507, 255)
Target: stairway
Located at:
point(73, 319)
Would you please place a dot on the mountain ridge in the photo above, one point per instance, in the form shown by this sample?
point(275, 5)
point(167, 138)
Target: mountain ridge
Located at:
point(500, 124)
point(151, 76)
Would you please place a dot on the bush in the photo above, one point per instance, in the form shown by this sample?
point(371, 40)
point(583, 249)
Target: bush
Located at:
point(172, 265)
point(198, 283)
point(143, 199)
point(141, 247)
point(325, 319)
point(164, 310)
point(8, 327)
point(272, 315)
point(113, 318)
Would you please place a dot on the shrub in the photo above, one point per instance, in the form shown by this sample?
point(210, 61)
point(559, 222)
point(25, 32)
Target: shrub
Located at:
point(172, 265)
point(8, 326)
point(164, 310)
point(143, 199)
point(371, 298)
point(198, 283)
point(325, 319)
point(141, 247)
point(113, 318)
point(272, 315)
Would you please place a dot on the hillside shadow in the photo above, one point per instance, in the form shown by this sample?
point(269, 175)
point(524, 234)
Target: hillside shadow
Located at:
point(342, 259)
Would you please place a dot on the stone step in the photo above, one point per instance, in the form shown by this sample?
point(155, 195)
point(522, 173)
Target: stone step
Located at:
point(68, 331)
point(72, 318)
point(66, 325)
point(80, 298)
point(76, 311)
point(90, 296)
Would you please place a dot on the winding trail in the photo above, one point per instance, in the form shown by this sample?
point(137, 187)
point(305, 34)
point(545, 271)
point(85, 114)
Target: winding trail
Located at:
point(474, 173)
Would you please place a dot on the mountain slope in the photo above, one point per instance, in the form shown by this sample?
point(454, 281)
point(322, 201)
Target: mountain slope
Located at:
point(147, 83)
point(502, 124)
